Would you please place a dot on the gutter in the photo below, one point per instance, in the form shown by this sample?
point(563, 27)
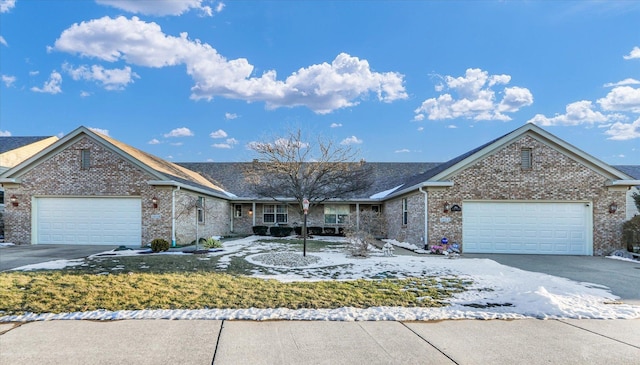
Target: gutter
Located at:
point(173, 216)
point(426, 184)
point(426, 217)
point(623, 183)
point(221, 195)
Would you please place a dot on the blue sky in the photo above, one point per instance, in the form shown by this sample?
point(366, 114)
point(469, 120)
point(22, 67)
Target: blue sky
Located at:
point(199, 80)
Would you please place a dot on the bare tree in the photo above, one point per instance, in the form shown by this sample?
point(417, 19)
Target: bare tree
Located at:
point(290, 168)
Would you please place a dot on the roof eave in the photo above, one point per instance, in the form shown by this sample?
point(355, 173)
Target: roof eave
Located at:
point(626, 182)
point(196, 189)
point(425, 184)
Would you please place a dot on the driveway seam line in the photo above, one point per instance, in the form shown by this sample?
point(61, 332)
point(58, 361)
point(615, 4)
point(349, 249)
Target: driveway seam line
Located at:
point(215, 351)
point(430, 344)
point(599, 334)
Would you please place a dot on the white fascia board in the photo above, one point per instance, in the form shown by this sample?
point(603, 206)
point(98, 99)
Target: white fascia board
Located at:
point(426, 184)
point(188, 187)
point(623, 183)
point(6, 180)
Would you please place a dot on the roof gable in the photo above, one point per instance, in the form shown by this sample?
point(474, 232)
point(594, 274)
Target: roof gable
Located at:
point(155, 166)
point(14, 150)
point(443, 172)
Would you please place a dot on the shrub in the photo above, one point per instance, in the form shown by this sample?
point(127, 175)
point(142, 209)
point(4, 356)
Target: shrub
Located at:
point(631, 233)
point(298, 230)
point(212, 243)
point(280, 231)
point(158, 245)
point(260, 230)
point(329, 231)
point(314, 230)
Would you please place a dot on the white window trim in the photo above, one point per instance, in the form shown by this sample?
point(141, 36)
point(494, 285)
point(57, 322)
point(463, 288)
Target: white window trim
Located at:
point(405, 211)
point(275, 210)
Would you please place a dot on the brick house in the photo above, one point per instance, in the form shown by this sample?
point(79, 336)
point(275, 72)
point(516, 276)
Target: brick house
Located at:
point(525, 192)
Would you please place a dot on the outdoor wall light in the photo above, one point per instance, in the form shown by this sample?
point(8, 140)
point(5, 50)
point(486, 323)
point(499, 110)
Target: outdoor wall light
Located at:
point(613, 208)
point(250, 211)
point(446, 207)
point(154, 201)
point(14, 200)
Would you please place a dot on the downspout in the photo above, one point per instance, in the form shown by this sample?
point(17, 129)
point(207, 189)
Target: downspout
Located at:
point(357, 216)
point(253, 208)
point(173, 217)
point(426, 217)
point(231, 216)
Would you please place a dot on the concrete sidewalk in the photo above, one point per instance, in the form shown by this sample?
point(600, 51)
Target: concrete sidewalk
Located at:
point(298, 342)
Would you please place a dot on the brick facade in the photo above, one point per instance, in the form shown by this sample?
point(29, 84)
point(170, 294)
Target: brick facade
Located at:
point(553, 177)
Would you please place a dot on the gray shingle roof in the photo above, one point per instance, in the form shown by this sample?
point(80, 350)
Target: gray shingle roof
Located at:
point(385, 175)
point(631, 170)
point(11, 143)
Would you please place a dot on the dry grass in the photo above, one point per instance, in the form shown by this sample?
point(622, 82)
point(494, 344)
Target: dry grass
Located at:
point(58, 292)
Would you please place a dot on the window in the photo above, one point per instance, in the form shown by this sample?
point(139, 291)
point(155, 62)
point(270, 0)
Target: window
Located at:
point(1, 197)
point(525, 158)
point(85, 159)
point(375, 208)
point(272, 213)
point(336, 214)
point(200, 209)
point(237, 211)
point(405, 211)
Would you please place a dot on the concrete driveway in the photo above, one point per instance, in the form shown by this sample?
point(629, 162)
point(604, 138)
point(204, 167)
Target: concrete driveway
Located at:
point(622, 277)
point(16, 256)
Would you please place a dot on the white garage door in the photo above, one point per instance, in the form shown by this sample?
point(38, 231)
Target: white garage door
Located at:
point(527, 227)
point(88, 221)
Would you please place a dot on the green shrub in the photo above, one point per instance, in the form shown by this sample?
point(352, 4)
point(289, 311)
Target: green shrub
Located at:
point(212, 243)
point(280, 231)
point(260, 230)
point(158, 245)
point(631, 233)
point(314, 231)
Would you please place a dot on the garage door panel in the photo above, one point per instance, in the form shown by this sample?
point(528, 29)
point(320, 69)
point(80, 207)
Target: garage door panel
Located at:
point(89, 220)
point(526, 227)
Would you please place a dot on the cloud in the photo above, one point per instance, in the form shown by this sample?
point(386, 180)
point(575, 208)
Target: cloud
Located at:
point(580, 112)
point(177, 144)
point(6, 5)
point(624, 131)
point(179, 132)
point(218, 134)
point(420, 129)
point(161, 7)
point(322, 88)
point(34, 73)
point(114, 79)
point(404, 150)
point(351, 140)
point(230, 116)
point(3, 41)
point(474, 98)
point(154, 141)
point(229, 143)
point(51, 86)
point(625, 82)
point(8, 80)
point(635, 53)
point(100, 130)
point(335, 125)
point(621, 98)
point(5, 133)
point(84, 94)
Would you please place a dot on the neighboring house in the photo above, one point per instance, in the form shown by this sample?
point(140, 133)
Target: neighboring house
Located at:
point(634, 171)
point(14, 150)
point(525, 192)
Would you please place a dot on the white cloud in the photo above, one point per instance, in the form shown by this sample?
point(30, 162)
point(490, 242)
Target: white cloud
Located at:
point(229, 143)
point(160, 7)
point(580, 112)
point(230, 116)
point(351, 140)
point(6, 5)
point(3, 41)
point(420, 129)
point(625, 82)
point(635, 53)
point(322, 88)
point(5, 134)
point(404, 150)
point(335, 125)
point(100, 130)
point(114, 79)
point(624, 131)
point(34, 73)
point(218, 134)
point(154, 141)
point(474, 98)
point(51, 86)
point(622, 98)
point(179, 132)
point(84, 94)
point(8, 80)
point(177, 144)
point(452, 126)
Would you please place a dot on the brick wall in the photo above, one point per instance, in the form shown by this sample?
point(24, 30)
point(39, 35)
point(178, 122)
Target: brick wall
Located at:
point(553, 176)
point(216, 217)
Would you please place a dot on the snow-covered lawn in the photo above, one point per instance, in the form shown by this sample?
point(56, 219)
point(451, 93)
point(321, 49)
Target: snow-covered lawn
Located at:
point(497, 292)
